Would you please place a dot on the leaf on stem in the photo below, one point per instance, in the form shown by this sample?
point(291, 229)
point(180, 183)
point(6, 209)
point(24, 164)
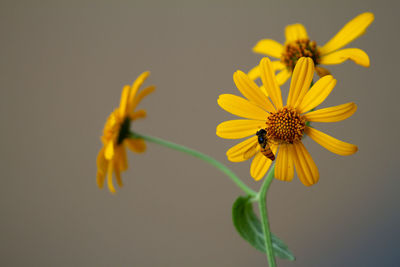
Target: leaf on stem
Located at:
point(249, 227)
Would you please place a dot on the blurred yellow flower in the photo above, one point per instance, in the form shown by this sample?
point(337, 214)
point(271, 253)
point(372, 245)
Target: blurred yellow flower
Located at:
point(299, 45)
point(112, 156)
point(284, 126)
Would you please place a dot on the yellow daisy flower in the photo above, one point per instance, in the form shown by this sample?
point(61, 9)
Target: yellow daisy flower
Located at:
point(299, 45)
point(283, 126)
point(112, 156)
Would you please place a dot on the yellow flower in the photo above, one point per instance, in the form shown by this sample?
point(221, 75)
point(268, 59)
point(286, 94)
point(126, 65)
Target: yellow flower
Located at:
point(284, 126)
point(299, 45)
point(112, 157)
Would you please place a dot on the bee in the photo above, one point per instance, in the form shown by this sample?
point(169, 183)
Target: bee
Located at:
point(265, 148)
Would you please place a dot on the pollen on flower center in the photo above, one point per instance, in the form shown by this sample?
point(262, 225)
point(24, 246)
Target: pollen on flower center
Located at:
point(297, 49)
point(285, 126)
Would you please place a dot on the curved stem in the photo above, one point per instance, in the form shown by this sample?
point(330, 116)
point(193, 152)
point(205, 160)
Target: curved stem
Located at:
point(262, 203)
point(199, 155)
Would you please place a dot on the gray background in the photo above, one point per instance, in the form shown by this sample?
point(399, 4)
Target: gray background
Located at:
point(63, 66)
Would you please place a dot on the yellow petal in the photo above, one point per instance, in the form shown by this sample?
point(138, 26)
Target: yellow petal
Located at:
point(124, 100)
point(302, 76)
point(270, 83)
point(140, 96)
point(118, 176)
point(352, 30)
point(322, 71)
point(283, 76)
point(136, 145)
point(254, 73)
point(354, 54)
point(317, 94)
point(260, 164)
point(235, 153)
point(295, 32)
point(135, 87)
point(241, 107)
point(109, 152)
point(101, 168)
point(121, 158)
point(109, 177)
point(305, 165)
point(284, 164)
point(332, 144)
point(251, 91)
point(269, 47)
point(332, 114)
point(236, 129)
point(100, 177)
point(140, 114)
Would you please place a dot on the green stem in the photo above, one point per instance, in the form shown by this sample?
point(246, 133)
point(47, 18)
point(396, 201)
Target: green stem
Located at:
point(199, 155)
point(262, 204)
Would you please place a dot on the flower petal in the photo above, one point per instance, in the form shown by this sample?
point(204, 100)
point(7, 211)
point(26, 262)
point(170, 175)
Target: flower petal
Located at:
point(352, 30)
point(283, 76)
point(284, 164)
point(317, 94)
point(305, 165)
point(241, 107)
point(260, 164)
point(136, 145)
point(121, 158)
point(332, 114)
point(140, 114)
point(269, 47)
point(295, 32)
point(135, 87)
point(354, 54)
point(254, 73)
point(270, 83)
point(236, 153)
point(322, 71)
point(302, 76)
point(251, 91)
point(101, 168)
point(109, 177)
point(236, 129)
point(124, 100)
point(109, 151)
point(332, 144)
point(118, 176)
point(140, 96)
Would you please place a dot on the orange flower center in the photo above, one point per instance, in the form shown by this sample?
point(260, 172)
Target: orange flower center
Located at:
point(297, 49)
point(285, 126)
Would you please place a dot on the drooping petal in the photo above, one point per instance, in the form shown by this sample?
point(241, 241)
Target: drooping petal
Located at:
point(236, 129)
point(270, 83)
point(140, 114)
point(251, 91)
point(321, 71)
point(283, 76)
point(354, 54)
point(352, 30)
point(241, 107)
point(140, 96)
point(254, 73)
point(110, 170)
point(121, 158)
point(332, 144)
point(136, 145)
point(295, 32)
point(269, 47)
point(332, 114)
point(124, 100)
point(317, 94)
point(101, 168)
point(109, 151)
point(302, 76)
point(118, 176)
point(305, 165)
point(135, 87)
point(236, 153)
point(260, 164)
point(284, 169)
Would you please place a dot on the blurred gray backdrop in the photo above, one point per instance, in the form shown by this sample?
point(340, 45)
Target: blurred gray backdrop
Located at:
point(63, 65)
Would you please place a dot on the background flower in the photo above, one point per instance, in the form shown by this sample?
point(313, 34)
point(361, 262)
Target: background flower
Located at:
point(285, 125)
point(298, 44)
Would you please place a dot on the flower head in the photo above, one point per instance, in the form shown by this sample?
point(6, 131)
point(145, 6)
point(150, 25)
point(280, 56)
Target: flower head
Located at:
point(298, 45)
point(112, 156)
point(284, 126)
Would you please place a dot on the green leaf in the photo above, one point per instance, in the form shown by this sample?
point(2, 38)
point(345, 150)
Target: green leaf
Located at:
point(249, 227)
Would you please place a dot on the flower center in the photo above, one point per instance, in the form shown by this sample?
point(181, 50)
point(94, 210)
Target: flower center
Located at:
point(297, 49)
point(116, 128)
point(285, 126)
